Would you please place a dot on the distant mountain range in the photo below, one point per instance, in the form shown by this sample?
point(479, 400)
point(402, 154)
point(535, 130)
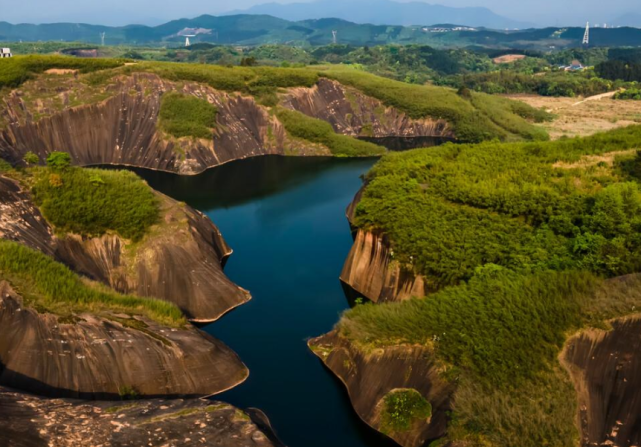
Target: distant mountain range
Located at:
point(263, 29)
point(386, 12)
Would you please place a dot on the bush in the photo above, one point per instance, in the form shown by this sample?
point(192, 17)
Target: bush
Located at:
point(186, 116)
point(401, 408)
point(31, 159)
point(58, 160)
point(92, 202)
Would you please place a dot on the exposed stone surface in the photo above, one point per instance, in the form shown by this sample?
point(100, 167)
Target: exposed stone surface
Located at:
point(370, 376)
point(179, 261)
point(605, 367)
point(101, 356)
point(29, 421)
point(352, 113)
point(121, 130)
point(370, 270)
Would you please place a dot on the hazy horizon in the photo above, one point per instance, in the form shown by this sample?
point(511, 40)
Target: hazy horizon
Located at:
point(154, 12)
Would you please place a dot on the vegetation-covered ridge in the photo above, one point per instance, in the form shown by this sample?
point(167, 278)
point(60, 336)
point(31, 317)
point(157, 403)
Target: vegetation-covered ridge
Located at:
point(473, 116)
point(92, 202)
point(498, 338)
point(50, 287)
point(572, 203)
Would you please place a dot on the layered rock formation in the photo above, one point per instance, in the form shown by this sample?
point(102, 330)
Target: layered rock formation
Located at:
point(179, 261)
point(605, 367)
point(369, 377)
point(106, 356)
point(29, 421)
point(121, 130)
point(370, 270)
point(352, 113)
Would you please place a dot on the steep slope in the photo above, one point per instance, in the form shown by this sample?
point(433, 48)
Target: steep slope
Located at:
point(28, 421)
point(107, 355)
point(179, 260)
point(483, 257)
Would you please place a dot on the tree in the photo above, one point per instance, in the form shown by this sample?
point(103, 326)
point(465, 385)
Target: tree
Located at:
point(59, 160)
point(31, 159)
point(248, 62)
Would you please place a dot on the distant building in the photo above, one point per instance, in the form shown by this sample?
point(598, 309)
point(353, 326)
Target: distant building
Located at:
point(575, 66)
point(5, 52)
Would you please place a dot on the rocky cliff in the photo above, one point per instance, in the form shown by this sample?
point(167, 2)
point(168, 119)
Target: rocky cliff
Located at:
point(605, 367)
point(180, 260)
point(106, 356)
point(122, 130)
point(370, 376)
point(371, 271)
point(352, 113)
point(29, 421)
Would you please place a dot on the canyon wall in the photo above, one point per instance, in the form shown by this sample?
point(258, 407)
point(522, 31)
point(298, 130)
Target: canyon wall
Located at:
point(370, 376)
point(180, 260)
point(103, 356)
point(352, 113)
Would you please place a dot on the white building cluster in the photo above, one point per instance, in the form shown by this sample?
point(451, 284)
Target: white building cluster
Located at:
point(5, 52)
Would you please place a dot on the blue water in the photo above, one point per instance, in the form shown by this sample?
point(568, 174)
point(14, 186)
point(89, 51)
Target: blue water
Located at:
point(285, 220)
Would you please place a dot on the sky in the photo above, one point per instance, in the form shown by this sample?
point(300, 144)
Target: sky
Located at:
point(153, 12)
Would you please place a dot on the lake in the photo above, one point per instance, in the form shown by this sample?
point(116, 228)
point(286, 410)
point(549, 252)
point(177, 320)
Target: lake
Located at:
point(285, 219)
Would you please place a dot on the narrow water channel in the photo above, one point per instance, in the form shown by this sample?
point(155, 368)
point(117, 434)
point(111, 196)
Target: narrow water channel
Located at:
point(285, 220)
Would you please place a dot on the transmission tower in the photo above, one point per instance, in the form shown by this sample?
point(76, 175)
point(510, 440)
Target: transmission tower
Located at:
point(102, 38)
point(334, 34)
point(586, 36)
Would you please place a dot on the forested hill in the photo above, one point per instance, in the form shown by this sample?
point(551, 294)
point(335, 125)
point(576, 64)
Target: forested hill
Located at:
point(262, 29)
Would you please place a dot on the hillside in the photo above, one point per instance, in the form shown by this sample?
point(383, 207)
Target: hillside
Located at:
point(245, 29)
point(498, 256)
point(219, 114)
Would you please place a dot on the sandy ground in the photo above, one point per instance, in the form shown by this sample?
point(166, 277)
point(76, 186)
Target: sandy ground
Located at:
point(579, 117)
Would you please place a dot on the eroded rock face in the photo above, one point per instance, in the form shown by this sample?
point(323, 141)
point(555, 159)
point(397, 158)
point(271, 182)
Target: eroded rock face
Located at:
point(369, 377)
point(352, 113)
point(104, 356)
point(370, 270)
point(180, 261)
point(605, 367)
point(121, 130)
point(29, 421)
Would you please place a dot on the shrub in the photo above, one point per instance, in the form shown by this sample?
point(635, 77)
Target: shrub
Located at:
point(93, 202)
point(401, 408)
point(31, 159)
point(186, 116)
point(58, 160)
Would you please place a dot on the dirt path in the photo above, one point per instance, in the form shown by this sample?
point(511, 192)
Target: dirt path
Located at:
point(597, 97)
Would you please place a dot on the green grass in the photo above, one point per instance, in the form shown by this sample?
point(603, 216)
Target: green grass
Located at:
point(49, 286)
point(186, 116)
point(452, 209)
point(17, 70)
point(92, 202)
point(318, 131)
point(401, 408)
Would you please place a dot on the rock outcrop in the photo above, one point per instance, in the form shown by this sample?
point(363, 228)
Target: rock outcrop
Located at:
point(122, 130)
point(179, 261)
point(105, 356)
point(29, 421)
point(370, 376)
point(352, 113)
point(371, 271)
point(605, 367)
